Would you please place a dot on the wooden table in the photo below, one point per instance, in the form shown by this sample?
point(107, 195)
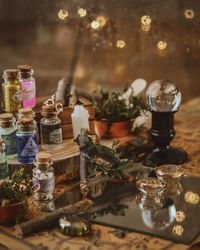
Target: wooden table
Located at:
point(187, 125)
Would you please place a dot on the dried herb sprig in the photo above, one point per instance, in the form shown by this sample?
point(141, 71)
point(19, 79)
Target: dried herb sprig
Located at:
point(105, 160)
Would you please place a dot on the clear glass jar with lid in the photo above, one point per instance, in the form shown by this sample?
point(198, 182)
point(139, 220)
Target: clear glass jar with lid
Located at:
point(11, 91)
point(8, 133)
point(50, 127)
point(26, 139)
point(28, 85)
point(4, 172)
point(43, 173)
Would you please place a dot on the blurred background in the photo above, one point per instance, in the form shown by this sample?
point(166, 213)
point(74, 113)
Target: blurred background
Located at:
point(103, 42)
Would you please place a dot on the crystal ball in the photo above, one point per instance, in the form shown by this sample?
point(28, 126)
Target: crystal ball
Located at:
point(163, 96)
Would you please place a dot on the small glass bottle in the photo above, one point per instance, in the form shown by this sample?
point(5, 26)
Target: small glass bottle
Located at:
point(28, 85)
point(43, 173)
point(4, 172)
point(28, 112)
point(11, 91)
point(26, 139)
point(50, 128)
point(8, 133)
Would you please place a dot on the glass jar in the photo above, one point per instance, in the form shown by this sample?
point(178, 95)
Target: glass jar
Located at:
point(43, 173)
point(4, 172)
point(8, 133)
point(11, 91)
point(28, 85)
point(28, 112)
point(50, 128)
point(26, 139)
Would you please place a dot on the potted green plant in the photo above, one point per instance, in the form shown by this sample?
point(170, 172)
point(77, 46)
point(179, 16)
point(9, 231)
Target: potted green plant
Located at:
point(114, 114)
point(13, 196)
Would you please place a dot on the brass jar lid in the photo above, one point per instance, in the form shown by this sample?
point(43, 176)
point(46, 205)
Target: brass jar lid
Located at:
point(6, 117)
point(25, 111)
point(43, 157)
point(25, 121)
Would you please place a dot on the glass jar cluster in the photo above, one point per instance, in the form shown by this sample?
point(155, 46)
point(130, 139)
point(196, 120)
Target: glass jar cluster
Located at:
point(18, 89)
point(20, 137)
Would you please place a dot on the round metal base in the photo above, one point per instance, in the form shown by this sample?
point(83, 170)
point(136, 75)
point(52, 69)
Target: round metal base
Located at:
point(167, 155)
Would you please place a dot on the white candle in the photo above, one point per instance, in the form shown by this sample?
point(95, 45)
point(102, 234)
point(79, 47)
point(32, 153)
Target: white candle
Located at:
point(80, 119)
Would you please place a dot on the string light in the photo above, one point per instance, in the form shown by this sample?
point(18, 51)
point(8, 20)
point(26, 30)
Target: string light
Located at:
point(191, 197)
point(82, 12)
point(178, 230)
point(180, 216)
point(146, 20)
point(120, 44)
point(63, 14)
point(162, 45)
point(189, 14)
point(94, 25)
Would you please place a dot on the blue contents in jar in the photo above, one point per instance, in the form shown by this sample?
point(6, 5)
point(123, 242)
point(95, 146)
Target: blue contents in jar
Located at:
point(27, 148)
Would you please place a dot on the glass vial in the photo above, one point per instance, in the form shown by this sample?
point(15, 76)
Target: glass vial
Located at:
point(28, 85)
point(50, 128)
point(11, 91)
point(4, 172)
point(8, 133)
point(26, 139)
point(28, 112)
point(43, 173)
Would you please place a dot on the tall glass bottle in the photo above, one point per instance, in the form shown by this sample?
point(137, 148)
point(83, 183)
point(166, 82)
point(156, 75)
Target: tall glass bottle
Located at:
point(11, 91)
point(43, 173)
point(28, 85)
point(8, 133)
point(50, 128)
point(4, 173)
point(26, 139)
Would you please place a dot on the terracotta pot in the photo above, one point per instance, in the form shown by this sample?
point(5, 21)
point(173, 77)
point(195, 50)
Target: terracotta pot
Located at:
point(9, 213)
point(113, 129)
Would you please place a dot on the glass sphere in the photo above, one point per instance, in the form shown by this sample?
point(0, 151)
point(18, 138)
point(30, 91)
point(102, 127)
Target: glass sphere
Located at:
point(163, 96)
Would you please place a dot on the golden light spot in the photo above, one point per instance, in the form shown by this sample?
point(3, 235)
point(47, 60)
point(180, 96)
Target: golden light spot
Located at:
point(82, 12)
point(145, 28)
point(178, 230)
point(63, 14)
point(162, 45)
point(188, 50)
point(94, 25)
point(189, 14)
point(101, 20)
point(120, 44)
point(180, 216)
point(146, 20)
point(191, 197)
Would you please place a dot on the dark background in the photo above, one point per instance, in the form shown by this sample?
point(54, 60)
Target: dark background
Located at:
point(32, 33)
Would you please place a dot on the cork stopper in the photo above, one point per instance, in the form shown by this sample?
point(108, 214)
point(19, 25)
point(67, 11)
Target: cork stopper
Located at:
point(6, 117)
point(43, 157)
point(25, 111)
point(48, 109)
point(25, 121)
point(11, 73)
point(24, 68)
point(1, 142)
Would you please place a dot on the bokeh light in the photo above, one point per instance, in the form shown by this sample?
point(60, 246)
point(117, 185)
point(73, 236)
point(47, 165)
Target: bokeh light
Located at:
point(120, 44)
point(94, 24)
point(145, 28)
point(63, 14)
point(101, 20)
point(178, 230)
point(191, 197)
point(82, 12)
point(189, 14)
point(162, 45)
point(180, 216)
point(146, 20)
